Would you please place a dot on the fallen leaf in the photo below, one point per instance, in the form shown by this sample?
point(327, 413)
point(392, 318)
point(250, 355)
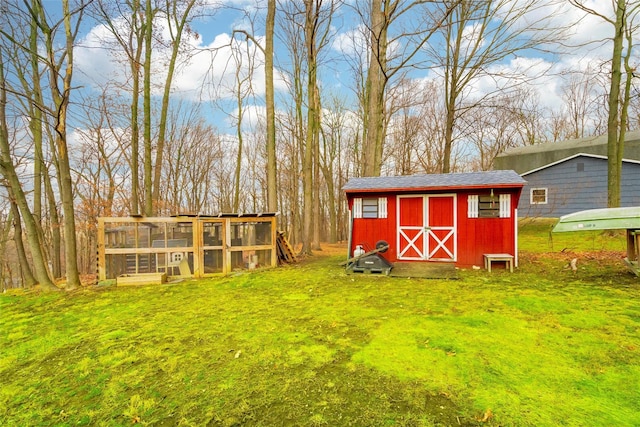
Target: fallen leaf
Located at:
point(487, 416)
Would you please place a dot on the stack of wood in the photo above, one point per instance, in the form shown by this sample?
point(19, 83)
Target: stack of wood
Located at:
point(285, 251)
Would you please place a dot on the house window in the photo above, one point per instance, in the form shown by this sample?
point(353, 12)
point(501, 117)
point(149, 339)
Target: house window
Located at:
point(372, 207)
point(580, 167)
point(489, 206)
point(538, 196)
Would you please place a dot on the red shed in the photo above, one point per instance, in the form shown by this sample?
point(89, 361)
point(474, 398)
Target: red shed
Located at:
point(455, 217)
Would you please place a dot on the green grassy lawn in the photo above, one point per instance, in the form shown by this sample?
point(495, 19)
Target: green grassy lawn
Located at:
point(309, 345)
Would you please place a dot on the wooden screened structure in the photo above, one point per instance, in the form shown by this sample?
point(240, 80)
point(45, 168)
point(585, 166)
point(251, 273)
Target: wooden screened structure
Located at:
point(185, 246)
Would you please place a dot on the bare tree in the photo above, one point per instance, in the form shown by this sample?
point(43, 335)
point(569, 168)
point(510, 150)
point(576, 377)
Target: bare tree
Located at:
point(270, 111)
point(474, 42)
point(242, 59)
point(405, 126)
point(147, 137)
point(24, 60)
point(28, 279)
point(272, 193)
point(492, 129)
point(578, 100)
point(333, 160)
point(59, 65)
point(178, 15)
point(429, 145)
point(625, 13)
point(55, 59)
point(124, 21)
point(317, 27)
point(307, 28)
point(389, 54)
point(8, 170)
point(197, 177)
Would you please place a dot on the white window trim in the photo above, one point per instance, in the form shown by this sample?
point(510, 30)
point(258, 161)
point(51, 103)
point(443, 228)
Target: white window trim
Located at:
point(505, 205)
point(472, 206)
point(357, 207)
point(546, 196)
point(382, 207)
point(473, 201)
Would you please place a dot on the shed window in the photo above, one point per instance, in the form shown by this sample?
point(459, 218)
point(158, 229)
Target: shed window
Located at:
point(370, 207)
point(538, 196)
point(489, 206)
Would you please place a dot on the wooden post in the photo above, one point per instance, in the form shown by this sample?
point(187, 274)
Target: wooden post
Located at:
point(198, 252)
point(226, 245)
point(274, 244)
point(102, 272)
point(633, 246)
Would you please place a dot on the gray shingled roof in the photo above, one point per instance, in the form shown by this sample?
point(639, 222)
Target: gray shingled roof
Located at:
point(580, 145)
point(436, 181)
point(525, 159)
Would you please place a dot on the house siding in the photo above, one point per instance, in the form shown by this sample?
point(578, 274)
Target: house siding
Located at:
point(571, 188)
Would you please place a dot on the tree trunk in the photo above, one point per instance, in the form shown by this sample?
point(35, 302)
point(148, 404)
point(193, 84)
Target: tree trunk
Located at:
point(272, 175)
point(54, 226)
point(28, 279)
point(373, 141)
point(146, 101)
point(7, 169)
point(238, 170)
point(65, 183)
point(451, 83)
point(162, 127)
point(35, 124)
point(135, 138)
point(624, 110)
point(317, 216)
point(613, 123)
point(313, 129)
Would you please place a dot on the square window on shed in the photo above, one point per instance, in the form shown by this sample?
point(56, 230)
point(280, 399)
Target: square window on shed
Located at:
point(489, 206)
point(538, 196)
point(370, 207)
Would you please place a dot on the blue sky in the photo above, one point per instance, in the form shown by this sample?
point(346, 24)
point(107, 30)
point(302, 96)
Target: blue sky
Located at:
point(208, 75)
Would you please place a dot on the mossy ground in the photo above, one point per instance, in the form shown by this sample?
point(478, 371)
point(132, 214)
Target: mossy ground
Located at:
point(308, 344)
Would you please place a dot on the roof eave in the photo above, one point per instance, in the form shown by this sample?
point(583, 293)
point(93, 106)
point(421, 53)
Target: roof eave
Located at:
point(438, 188)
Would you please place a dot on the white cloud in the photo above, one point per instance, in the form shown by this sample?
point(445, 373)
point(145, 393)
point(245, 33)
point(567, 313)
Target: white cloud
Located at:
point(352, 42)
point(205, 72)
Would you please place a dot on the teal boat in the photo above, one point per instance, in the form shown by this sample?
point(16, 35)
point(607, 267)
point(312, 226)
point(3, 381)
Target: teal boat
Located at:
point(600, 219)
point(608, 219)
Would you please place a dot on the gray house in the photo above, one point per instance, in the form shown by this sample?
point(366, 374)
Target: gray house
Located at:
point(571, 176)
